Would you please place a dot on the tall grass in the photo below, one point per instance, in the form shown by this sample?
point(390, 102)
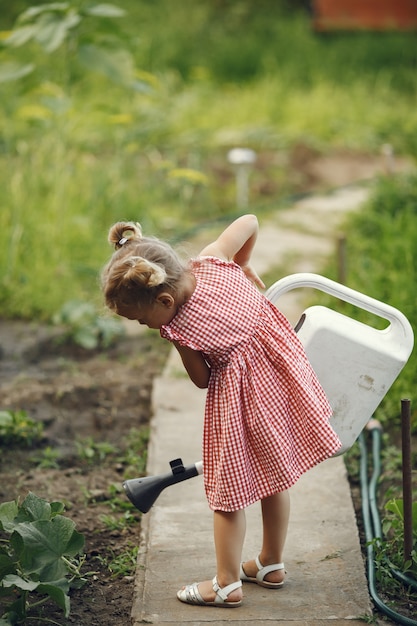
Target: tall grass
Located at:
point(381, 262)
point(78, 151)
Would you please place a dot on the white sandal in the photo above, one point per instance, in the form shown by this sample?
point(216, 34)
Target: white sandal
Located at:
point(262, 572)
point(191, 595)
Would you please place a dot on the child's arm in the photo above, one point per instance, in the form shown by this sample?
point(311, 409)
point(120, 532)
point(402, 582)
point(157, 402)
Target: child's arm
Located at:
point(236, 244)
point(195, 365)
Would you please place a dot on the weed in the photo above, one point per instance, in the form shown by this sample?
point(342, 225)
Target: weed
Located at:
point(393, 529)
point(118, 502)
point(123, 564)
point(94, 452)
point(47, 458)
point(368, 619)
point(17, 429)
point(111, 522)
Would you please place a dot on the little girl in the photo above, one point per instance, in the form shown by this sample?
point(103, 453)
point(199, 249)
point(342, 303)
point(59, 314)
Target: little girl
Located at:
point(266, 417)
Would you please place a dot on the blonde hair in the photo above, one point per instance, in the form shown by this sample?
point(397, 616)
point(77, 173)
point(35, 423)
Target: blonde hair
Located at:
point(140, 268)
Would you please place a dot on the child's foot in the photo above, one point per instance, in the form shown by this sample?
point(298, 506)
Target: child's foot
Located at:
point(270, 575)
point(209, 593)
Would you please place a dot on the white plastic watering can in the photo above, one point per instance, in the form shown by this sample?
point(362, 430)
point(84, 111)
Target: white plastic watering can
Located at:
point(355, 363)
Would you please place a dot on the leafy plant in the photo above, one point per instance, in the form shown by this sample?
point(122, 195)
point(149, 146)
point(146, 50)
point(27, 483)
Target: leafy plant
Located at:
point(48, 458)
point(56, 24)
point(38, 556)
point(393, 529)
point(17, 429)
point(85, 328)
point(94, 451)
point(111, 522)
point(136, 454)
point(123, 564)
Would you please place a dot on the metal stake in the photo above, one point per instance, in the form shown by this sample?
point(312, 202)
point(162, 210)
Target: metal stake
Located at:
point(407, 486)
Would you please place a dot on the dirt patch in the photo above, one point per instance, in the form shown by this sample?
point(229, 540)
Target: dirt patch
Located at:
point(83, 399)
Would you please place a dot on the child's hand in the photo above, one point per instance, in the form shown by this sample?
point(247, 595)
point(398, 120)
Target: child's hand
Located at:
point(252, 275)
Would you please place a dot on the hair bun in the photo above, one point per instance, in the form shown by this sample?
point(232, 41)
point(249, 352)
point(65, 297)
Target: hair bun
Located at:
point(145, 272)
point(123, 232)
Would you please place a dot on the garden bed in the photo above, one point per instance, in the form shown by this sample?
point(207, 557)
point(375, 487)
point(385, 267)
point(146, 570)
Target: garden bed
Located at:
point(95, 408)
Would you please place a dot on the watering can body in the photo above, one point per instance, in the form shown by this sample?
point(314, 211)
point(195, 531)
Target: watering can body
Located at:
point(355, 363)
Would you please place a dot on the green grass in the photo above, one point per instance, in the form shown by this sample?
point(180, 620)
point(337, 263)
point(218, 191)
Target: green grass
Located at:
point(381, 262)
point(79, 151)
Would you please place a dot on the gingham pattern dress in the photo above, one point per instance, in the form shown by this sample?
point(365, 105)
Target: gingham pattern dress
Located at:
point(266, 416)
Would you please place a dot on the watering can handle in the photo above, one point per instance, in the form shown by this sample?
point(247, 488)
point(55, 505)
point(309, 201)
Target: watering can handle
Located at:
point(398, 321)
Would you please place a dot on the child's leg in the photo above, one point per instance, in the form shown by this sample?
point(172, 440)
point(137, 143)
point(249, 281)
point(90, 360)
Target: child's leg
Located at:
point(229, 535)
point(275, 517)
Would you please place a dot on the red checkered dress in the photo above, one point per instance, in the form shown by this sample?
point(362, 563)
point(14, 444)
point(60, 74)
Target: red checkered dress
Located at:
point(266, 417)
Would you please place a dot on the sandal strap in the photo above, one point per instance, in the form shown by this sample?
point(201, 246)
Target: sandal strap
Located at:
point(223, 592)
point(264, 571)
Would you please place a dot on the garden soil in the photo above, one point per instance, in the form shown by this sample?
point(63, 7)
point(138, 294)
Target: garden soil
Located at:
point(82, 397)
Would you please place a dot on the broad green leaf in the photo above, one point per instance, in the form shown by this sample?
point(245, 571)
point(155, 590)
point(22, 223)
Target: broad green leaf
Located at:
point(105, 10)
point(56, 508)
point(20, 36)
point(12, 580)
point(7, 565)
point(53, 30)
point(8, 513)
point(36, 508)
point(53, 572)
point(45, 541)
point(13, 71)
point(58, 595)
point(33, 12)
point(76, 541)
point(396, 507)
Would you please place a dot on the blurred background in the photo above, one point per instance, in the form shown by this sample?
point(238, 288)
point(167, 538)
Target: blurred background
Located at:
point(129, 110)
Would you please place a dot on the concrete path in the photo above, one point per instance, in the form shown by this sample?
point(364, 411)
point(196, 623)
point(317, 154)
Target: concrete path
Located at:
point(326, 576)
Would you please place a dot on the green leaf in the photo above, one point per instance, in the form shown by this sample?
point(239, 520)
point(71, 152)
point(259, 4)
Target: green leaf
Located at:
point(13, 71)
point(105, 10)
point(33, 12)
point(8, 513)
point(12, 580)
point(56, 508)
point(53, 572)
point(7, 565)
point(20, 36)
point(36, 508)
point(45, 541)
point(58, 594)
point(396, 507)
point(53, 30)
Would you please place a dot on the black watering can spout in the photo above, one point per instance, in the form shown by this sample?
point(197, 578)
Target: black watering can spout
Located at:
point(143, 492)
